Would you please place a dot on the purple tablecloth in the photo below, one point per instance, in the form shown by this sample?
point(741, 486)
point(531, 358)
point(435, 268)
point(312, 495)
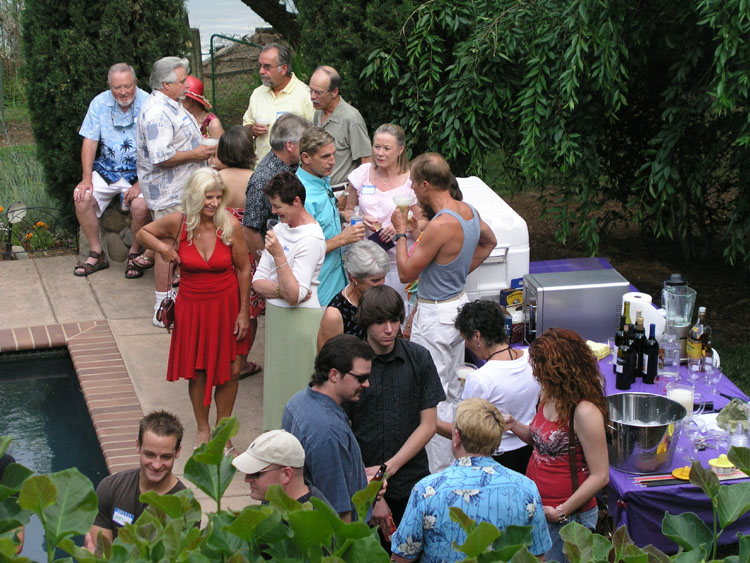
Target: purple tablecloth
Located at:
point(642, 508)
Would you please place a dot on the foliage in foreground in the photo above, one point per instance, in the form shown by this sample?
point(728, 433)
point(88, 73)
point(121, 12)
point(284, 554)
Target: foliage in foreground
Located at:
point(645, 105)
point(68, 48)
point(285, 530)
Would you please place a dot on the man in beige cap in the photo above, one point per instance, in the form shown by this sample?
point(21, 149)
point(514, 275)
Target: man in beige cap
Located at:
point(276, 458)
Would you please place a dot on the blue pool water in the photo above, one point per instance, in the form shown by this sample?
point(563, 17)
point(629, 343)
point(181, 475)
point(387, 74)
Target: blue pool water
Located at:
point(42, 407)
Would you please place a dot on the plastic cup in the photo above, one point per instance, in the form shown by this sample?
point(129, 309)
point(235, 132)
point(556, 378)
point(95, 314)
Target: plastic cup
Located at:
point(683, 394)
point(403, 202)
point(209, 141)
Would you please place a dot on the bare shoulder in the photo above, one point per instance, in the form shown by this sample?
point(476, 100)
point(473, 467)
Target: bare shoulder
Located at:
point(588, 412)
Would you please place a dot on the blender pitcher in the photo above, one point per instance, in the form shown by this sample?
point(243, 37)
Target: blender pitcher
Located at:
point(678, 301)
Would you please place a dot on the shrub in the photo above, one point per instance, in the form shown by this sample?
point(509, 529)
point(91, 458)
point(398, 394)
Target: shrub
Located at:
point(68, 48)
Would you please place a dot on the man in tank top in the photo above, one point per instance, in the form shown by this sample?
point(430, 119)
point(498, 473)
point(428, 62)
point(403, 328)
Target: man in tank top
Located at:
point(455, 243)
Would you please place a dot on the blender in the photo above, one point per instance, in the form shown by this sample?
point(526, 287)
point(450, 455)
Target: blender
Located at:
point(678, 301)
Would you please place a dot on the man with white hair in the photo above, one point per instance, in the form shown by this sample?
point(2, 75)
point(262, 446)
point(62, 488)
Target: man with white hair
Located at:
point(276, 458)
point(169, 150)
point(109, 130)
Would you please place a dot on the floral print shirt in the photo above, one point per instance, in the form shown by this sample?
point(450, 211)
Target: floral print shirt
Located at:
point(485, 491)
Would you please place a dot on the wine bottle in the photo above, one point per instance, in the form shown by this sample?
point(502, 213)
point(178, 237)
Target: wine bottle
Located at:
point(695, 345)
point(639, 341)
point(619, 340)
point(708, 358)
point(650, 361)
point(624, 367)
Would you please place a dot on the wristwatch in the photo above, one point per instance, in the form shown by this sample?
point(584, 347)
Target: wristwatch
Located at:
point(398, 236)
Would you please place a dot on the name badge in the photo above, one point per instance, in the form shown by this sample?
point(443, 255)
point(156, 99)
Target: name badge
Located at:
point(121, 517)
point(368, 189)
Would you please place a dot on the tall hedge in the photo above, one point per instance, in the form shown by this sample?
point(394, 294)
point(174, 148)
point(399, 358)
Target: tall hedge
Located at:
point(69, 45)
point(343, 35)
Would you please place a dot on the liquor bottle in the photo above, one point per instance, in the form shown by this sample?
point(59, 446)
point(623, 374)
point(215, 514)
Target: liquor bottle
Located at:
point(619, 340)
point(639, 341)
point(624, 367)
point(695, 345)
point(706, 344)
point(708, 358)
point(650, 360)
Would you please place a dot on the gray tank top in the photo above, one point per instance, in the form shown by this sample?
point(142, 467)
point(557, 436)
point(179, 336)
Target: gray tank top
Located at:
point(442, 281)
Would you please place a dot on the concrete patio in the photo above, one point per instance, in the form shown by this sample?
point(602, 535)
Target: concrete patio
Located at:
point(40, 292)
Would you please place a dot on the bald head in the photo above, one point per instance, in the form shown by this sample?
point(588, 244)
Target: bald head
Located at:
point(433, 168)
point(325, 83)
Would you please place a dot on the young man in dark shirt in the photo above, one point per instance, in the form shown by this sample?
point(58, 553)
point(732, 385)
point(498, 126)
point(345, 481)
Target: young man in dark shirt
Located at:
point(158, 444)
point(397, 415)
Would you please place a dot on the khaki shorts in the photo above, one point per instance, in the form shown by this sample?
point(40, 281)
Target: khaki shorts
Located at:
point(159, 213)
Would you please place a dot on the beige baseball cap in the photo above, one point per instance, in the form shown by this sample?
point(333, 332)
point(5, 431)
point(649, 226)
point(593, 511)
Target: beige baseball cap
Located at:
point(276, 447)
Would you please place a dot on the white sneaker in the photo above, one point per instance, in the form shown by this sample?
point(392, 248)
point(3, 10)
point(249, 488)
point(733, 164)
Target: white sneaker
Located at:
point(156, 322)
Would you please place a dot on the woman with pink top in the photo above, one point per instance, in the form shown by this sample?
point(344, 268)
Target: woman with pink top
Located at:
point(372, 188)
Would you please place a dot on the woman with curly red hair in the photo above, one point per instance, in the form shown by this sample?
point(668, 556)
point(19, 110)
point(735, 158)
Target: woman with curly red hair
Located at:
point(572, 390)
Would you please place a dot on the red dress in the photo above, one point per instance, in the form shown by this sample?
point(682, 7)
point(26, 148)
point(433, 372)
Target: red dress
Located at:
point(205, 312)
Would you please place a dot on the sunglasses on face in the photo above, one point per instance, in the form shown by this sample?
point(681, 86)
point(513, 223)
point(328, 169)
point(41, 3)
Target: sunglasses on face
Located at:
point(360, 378)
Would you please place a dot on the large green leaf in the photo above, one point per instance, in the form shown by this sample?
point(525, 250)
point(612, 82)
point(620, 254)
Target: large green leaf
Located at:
point(478, 539)
point(740, 457)
point(277, 498)
point(578, 542)
point(365, 549)
point(4, 443)
point(523, 555)
point(686, 530)
point(697, 555)
point(219, 543)
point(656, 555)
point(363, 499)
point(704, 478)
point(459, 516)
point(213, 451)
point(168, 504)
point(245, 524)
point(13, 477)
point(309, 530)
point(734, 501)
point(37, 493)
point(208, 468)
point(12, 515)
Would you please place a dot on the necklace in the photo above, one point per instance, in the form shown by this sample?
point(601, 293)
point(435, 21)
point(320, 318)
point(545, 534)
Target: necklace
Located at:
point(346, 295)
point(508, 349)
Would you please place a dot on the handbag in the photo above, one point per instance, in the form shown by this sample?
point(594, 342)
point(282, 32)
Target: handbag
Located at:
point(165, 312)
point(605, 523)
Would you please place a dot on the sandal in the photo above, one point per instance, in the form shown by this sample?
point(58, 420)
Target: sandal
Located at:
point(133, 270)
point(142, 261)
point(252, 369)
point(84, 269)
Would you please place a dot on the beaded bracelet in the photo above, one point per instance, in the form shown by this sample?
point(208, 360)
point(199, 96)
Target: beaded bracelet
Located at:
point(561, 518)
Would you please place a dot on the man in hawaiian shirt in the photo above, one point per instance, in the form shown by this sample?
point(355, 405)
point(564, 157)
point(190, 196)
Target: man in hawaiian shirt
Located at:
point(109, 129)
point(475, 483)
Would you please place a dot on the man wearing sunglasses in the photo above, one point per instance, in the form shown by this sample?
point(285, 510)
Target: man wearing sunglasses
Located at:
point(333, 461)
point(276, 458)
point(108, 166)
point(280, 92)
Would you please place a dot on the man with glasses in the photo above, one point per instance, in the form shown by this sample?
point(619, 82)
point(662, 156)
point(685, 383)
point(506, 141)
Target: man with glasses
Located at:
point(397, 414)
point(280, 92)
point(342, 121)
point(109, 130)
point(333, 461)
point(276, 458)
point(317, 157)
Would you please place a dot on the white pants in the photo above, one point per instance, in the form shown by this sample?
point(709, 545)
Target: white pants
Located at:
point(433, 328)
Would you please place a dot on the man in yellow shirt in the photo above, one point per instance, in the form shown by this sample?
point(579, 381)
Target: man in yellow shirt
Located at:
point(281, 92)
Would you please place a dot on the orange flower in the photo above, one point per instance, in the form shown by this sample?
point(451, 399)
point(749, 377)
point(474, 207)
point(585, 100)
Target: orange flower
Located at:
point(29, 236)
point(1, 209)
point(41, 224)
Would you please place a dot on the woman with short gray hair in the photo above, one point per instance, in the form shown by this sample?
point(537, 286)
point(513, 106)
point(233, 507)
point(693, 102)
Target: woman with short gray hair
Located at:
point(366, 265)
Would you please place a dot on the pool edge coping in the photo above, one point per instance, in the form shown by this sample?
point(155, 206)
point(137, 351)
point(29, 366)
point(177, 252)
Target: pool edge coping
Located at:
point(99, 367)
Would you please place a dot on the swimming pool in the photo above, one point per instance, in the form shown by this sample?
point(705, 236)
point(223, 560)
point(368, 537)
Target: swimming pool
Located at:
point(42, 407)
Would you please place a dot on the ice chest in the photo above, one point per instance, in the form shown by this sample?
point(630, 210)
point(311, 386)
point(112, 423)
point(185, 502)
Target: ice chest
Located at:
point(510, 258)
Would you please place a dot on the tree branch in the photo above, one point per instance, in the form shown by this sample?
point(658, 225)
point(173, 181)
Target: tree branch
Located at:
point(276, 14)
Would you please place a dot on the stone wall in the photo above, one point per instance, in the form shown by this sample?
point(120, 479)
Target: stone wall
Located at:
point(114, 231)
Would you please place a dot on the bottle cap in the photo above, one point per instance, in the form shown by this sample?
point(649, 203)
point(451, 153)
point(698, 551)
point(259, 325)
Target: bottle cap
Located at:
point(675, 280)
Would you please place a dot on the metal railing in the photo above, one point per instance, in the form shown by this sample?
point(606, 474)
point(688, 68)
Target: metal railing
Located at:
point(32, 230)
point(212, 54)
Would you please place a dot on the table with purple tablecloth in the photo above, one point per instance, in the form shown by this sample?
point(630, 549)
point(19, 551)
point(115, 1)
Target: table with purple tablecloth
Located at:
point(639, 507)
point(642, 508)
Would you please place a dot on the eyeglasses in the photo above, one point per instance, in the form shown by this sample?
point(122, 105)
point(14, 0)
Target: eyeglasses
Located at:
point(123, 120)
point(257, 474)
point(267, 66)
point(362, 379)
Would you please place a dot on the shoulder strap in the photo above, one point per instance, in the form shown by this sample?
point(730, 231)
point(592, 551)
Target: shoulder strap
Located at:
point(572, 451)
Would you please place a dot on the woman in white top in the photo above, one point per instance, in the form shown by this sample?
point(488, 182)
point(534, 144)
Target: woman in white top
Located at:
point(505, 380)
point(373, 186)
point(287, 276)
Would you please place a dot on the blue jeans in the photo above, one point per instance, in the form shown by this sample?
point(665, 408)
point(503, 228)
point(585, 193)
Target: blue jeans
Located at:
point(586, 519)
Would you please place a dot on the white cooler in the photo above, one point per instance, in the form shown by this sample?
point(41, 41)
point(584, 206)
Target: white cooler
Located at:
point(510, 258)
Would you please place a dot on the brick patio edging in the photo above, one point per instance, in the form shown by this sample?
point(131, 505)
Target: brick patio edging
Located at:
point(113, 405)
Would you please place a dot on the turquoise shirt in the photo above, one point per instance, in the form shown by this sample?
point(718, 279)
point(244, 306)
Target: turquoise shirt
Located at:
point(321, 204)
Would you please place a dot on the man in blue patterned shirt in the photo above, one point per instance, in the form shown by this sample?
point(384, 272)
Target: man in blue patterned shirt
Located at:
point(109, 130)
point(485, 490)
